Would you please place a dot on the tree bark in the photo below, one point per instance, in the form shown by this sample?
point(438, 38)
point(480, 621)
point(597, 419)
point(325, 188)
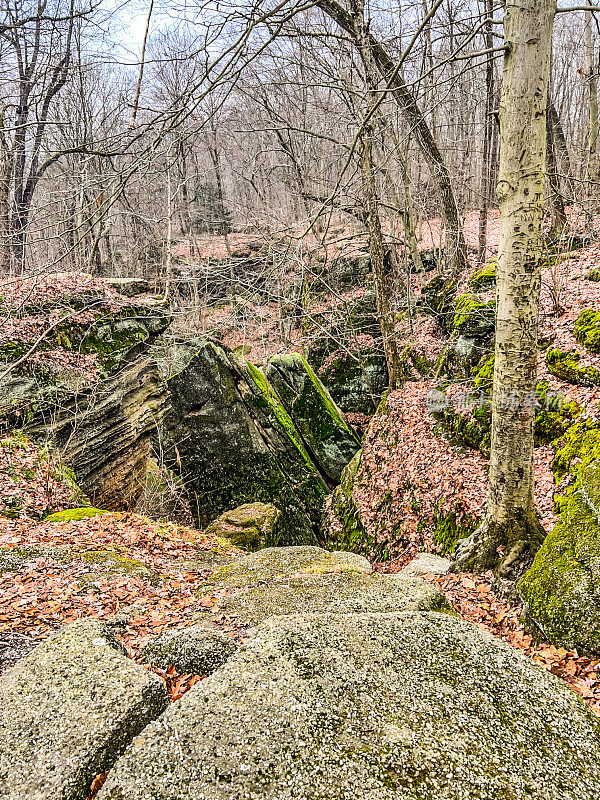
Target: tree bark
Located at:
point(455, 249)
point(486, 161)
point(592, 168)
point(511, 529)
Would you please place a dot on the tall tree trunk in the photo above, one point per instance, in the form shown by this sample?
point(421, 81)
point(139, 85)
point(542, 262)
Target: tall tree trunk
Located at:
point(558, 221)
point(592, 168)
point(486, 161)
point(511, 529)
point(455, 247)
point(377, 255)
point(369, 187)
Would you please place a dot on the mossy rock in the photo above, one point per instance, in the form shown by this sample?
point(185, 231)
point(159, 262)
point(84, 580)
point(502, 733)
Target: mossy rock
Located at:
point(581, 439)
point(473, 318)
point(342, 525)
point(450, 527)
point(197, 650)
point(561, 590)
point(437, 299)
point(74, 514)
point(252, 526)
point(594, 274)
point(335, 593)
point(587, 330)
point(356, 380)
point(565, 365)
point(319, 421)
point(483, 279)
point(110, 562)
point(276, 563)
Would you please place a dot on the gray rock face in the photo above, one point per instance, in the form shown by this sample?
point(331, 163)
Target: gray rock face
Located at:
point(275, 563)
point(348, 592)
point(318, 419)
point(197, 649)
point(426, 563)
point(414, 706)
point(67, 710)
point(234, 443)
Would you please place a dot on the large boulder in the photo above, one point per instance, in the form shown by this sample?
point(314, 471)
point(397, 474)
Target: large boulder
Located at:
point(68, 709)
point(561, 590)
point(233, 441)
point(339, 593)
point(412, 706)
point(319, 421)
point(275, 563)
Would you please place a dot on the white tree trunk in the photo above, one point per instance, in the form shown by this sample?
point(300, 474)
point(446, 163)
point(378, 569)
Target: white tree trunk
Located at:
point(511, 528)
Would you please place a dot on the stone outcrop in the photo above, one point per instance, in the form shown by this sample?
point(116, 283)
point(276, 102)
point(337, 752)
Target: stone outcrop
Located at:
point(346, 350)
point(252, 526)
point(561, 590)
point(107, 436)
point(235, 440)
point(319, 421)
point(198, 650)
point(68, 709)
point(88, 387)
point(381, 706)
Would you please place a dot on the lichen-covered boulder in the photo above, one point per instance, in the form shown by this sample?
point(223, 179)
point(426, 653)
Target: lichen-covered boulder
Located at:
point(348, 592)
point(197, 649)
point(251, 526)
point(317, 418)
point(412, 706)
point(561, 590)
point(275, 563)
point(68, 709)
point(229, 436)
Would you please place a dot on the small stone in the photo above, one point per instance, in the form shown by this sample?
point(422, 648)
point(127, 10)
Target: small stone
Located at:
point(252, 526)
point(198, 650)
point(426, 563)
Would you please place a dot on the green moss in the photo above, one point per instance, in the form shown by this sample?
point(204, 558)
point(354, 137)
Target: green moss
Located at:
point(483, 376)
point(473, 318)
point(73, 514)
point(560, 590)
point(483, 279)
point(272, 401)
point(587, 330)
point(594, 274)
point(565, 365)
point(449, 528)
point(580, 440)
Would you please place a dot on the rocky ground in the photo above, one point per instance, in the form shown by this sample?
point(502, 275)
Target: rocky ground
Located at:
point(125, 606)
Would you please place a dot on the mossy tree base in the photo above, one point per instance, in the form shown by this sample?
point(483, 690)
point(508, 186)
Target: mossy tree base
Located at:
point(506, 547)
